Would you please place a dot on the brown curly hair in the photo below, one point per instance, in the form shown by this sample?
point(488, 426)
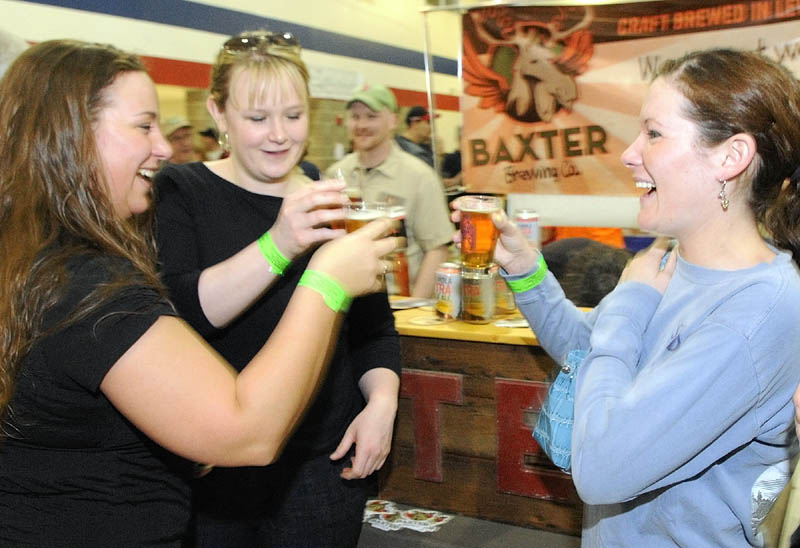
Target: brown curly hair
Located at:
point(54, 202)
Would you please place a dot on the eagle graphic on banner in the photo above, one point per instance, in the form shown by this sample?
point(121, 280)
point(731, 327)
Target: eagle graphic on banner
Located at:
point(529, 65)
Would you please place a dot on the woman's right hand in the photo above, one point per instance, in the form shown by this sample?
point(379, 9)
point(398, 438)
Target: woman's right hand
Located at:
point(305, 216)
point(356, 260)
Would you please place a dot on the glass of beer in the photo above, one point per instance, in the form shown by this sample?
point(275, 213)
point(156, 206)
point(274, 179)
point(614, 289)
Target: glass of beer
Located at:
point(334, 223)
point(358, 214)
point(352, 183)
point(478, 233)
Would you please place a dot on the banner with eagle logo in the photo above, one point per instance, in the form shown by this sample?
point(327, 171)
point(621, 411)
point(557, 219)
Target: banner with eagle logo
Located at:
point(552, 93)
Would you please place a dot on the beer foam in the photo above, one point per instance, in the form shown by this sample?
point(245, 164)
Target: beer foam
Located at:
point(364, 214)
point(481, 208)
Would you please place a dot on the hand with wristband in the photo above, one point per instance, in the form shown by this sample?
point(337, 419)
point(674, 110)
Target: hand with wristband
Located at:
point(350, 266)
point(305, 217)
point(513, 252)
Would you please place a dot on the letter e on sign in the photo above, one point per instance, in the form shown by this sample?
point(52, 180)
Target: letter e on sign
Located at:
point(522, 467)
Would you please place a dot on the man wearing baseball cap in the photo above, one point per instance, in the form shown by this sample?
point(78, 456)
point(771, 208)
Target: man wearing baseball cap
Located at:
point(209, 140)
point(416, 138)
point(389, 174)
point(178, 132)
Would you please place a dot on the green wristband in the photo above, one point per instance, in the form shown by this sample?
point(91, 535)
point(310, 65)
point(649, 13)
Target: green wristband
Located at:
point(277, 261)
point(526, 284)
point(332, 293)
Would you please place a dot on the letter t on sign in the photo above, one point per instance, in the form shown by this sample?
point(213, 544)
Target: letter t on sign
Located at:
point(427, 390)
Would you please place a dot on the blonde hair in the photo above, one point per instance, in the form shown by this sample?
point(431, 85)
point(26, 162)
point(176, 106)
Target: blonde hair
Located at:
point(272, 67)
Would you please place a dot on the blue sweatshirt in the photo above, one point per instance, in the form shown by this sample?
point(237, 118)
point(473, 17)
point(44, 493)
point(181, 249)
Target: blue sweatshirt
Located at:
point(683, 430)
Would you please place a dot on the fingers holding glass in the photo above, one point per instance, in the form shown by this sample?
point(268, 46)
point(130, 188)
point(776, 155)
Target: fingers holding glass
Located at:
point(478, 231)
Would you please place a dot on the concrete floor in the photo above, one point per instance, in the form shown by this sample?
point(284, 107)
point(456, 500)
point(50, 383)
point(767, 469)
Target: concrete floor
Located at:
point(465, 532)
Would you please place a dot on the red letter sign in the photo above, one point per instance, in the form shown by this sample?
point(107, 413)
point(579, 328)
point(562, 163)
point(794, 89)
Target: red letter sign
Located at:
point(515, 442)
point(428, 389)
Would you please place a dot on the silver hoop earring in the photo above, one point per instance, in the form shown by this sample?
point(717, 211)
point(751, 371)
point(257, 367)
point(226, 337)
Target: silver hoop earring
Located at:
point(723, 197)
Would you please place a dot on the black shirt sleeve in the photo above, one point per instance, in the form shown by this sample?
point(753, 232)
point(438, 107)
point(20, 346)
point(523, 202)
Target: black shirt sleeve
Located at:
point(178, 246)
point(374, 341)
point(88, 348)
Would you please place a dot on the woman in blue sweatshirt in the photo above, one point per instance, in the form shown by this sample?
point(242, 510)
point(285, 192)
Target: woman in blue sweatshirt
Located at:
point(683, 408)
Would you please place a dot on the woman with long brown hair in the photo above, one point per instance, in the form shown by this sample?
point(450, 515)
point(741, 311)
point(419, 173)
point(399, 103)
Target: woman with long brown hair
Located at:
point(105, 394)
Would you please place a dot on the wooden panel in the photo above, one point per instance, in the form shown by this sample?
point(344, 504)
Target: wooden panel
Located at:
point(467, 480)
point(479, 362)
point(469, 489)
point(468, 429)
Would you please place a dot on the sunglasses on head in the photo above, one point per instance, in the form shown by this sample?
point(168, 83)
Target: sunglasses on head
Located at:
point(262, 41)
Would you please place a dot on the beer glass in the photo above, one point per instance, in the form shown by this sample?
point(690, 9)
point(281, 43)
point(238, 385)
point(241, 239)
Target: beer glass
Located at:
point(352, 183)
point(336, 223)
point(358, 214)
point(478, 233)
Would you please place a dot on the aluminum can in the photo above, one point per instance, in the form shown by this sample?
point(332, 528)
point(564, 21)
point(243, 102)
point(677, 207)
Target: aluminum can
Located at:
point(477, 295)
point(447, 289)
point(528, 222)
point(504, 302)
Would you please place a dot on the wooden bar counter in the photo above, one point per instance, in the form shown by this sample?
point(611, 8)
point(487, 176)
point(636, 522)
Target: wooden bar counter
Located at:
point(470, 395)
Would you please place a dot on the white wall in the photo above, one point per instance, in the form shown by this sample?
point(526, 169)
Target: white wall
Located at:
point(395, 22)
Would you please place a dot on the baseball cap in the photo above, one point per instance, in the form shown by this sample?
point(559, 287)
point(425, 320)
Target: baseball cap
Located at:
point(209, 132)
point(375, 97)
point(418, 112)
point(171, 125)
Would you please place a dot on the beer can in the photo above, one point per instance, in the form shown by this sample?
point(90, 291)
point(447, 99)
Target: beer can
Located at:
point(477, 295)
point(504, 302)
point(447, 289)
point(528, 222)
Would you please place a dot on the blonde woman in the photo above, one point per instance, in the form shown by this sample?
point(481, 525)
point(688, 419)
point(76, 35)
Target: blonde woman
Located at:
point(212, 220)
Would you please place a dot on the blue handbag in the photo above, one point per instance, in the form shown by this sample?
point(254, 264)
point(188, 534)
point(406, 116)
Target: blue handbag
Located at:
point(553, 429)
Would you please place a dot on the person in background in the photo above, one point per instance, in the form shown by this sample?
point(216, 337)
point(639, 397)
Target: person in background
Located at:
point(106, 396)
point(179, 133)
point(211, 220)
point(310, 170)
point(388, 174)
point(451, 169)
point(587, 270)
point(10, 47)
point(209, 140)
point(683, 407)
point(416, 138)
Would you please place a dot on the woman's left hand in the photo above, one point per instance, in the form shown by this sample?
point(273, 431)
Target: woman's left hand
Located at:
point(646, 268)
point(371, 432)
